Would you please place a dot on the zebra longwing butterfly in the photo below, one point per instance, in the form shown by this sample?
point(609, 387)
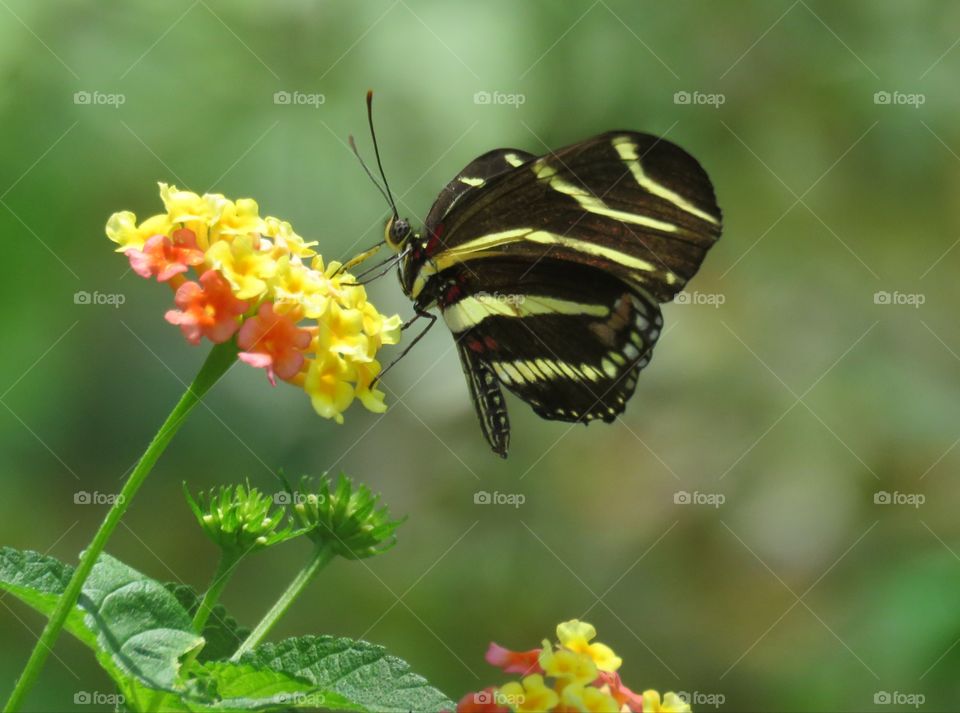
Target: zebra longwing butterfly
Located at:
point(549, 270)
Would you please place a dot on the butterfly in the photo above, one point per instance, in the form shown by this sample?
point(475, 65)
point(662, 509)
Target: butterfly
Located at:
point(549, 270)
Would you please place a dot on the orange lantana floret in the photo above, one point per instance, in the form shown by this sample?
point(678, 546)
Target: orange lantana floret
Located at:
point(273, 342)
point(165, 257)
point(208, 309)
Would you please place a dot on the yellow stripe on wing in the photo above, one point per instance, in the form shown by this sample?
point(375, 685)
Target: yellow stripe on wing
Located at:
point(484, 247)
point(627, 150)
point(593, 204)
point(471, 311)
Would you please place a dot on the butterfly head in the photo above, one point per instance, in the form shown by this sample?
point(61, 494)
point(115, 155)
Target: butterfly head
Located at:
point(397, 232)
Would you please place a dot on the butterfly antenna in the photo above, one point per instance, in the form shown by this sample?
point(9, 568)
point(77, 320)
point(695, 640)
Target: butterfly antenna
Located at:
point(353, 147)
point(376, 152)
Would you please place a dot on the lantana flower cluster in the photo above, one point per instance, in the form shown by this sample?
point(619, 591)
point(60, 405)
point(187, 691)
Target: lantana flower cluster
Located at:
point(238, 275)
point(573, 674)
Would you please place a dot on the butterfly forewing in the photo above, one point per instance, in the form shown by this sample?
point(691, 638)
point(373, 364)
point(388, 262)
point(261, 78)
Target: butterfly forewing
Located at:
point(632, 204)
point(475, 175)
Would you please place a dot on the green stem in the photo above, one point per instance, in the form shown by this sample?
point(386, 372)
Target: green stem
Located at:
point(221, 357)
point(321, 557)
point(212, 595)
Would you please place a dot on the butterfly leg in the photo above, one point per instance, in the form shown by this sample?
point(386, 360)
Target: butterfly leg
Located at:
point(406, 350)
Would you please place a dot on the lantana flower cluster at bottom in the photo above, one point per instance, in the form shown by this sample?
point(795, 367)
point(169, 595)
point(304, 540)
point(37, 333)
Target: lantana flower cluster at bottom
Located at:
point(575, 674)
point(300, 320)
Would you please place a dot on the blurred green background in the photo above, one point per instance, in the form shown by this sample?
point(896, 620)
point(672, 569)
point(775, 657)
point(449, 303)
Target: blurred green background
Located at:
point(800, 399)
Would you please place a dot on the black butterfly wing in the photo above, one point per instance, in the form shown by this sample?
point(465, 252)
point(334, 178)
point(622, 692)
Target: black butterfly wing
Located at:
point(487, 400)
point(567, 339)
point(634, 205)
point(475, 175)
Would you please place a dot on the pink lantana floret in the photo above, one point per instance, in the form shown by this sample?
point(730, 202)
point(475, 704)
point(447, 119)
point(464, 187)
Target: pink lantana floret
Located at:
point(165, 257)
point(623, 695)
point(273, 342)
point(208, 309)
point(522, 662)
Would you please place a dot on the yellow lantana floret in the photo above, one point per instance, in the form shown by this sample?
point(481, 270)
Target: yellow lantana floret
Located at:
point(588, 699)
point(285, 240)
point(246, 268)
point(240, 218)
point(572, 667)
point(671, 703)
point(532, 695)
point(575, 635)
point(327, 383)
point(122, 229)
point(294, 285)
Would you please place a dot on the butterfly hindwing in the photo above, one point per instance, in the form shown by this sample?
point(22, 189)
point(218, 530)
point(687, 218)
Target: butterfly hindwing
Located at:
point(568, 340)
point(487, 399)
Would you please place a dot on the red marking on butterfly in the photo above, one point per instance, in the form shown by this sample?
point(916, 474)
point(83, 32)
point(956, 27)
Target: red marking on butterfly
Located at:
point(450, 295)
point(433, 244)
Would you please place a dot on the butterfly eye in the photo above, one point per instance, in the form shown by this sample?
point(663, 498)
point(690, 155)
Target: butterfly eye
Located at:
point(399, 229)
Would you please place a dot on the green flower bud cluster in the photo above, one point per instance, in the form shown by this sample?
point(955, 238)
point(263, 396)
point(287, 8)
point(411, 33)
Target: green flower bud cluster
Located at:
point(344, 517)
point(239, 519)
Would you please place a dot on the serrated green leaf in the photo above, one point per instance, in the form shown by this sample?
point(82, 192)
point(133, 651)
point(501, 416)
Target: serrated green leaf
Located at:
point(137, 628)
point(38, 581)
point(140, 631)
point(222, 632)
point(362, 673)
point(243, 686)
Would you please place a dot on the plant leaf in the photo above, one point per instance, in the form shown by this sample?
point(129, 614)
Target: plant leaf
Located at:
point(136, 627)
point(243, 686)
point(141, 630)
point(362, 673)
point(38, 581)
